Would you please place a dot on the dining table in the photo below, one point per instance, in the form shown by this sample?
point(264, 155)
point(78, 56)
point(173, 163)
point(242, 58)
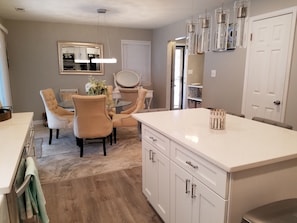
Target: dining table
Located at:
point(118, 105)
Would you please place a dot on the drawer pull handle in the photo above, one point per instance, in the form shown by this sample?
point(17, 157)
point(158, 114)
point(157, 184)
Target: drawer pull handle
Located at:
point(187, 183)
point(153, 139)
point(150, 154)
point(193, 191)
point(153, 157)
point(191, 164)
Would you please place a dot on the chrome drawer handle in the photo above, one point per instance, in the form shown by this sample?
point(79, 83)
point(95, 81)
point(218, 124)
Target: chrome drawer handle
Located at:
point(193, 191)
point(152, 138)
point(152, 156)
point(192, 165)
point(187, 182)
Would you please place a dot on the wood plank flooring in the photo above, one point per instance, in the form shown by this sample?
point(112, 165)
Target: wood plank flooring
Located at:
point(110, 198)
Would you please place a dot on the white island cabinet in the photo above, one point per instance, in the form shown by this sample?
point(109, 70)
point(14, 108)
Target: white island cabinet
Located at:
point(192, 173)
point(155, 175)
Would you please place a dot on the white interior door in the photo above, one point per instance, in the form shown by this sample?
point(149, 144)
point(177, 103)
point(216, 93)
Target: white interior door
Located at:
point(268, 66)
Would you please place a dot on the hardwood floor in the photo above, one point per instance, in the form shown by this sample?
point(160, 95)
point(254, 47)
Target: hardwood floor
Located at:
point(110, 198)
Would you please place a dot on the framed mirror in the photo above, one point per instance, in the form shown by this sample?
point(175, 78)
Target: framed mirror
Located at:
point(78, 58)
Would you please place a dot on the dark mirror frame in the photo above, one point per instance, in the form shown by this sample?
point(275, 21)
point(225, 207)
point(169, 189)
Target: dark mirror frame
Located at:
point(76, 58)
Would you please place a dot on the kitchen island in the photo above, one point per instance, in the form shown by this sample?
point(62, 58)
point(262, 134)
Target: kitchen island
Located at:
point(212, 176)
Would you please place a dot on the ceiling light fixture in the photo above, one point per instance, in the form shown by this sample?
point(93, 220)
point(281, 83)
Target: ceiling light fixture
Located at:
point(204, 24)
point(240, 17)
point(104, 60)
point(221, 29)
point(191, 40)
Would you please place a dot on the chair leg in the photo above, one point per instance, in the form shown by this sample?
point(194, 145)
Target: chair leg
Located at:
point(50, 136)
point(115, 135)
point(57, 133)
point(80, 143)
point(110, 139)
point(104, 147)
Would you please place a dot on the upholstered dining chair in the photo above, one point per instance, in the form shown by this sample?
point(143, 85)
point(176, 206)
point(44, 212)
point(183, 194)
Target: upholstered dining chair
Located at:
point(271, 122)
point(91, 120)
point(109, 100)
point(66, 93)
point(57, 117)
point(125, 118)
point(129, 94)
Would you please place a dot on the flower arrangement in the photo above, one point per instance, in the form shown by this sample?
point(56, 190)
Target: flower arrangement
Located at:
point(95, 87)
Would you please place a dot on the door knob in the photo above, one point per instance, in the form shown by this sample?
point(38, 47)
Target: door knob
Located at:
point(277, 102)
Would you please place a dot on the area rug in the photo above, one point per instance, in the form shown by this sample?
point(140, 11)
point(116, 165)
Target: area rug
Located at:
point(61, 161)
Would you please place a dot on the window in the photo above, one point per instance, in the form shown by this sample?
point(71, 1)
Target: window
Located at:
point(136, 56)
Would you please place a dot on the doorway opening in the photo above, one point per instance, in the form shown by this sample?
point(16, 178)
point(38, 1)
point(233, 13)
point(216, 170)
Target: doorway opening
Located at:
point(178, 76)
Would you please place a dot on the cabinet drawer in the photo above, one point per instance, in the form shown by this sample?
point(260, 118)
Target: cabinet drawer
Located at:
point(156, 139)
point(209, 174)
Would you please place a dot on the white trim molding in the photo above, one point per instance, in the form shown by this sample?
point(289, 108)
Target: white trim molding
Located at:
point(3, 29)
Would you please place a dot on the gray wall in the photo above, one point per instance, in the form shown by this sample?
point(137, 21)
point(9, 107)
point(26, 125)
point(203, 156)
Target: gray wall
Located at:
point(226, 89)
point(32, 51)
point(33, 58)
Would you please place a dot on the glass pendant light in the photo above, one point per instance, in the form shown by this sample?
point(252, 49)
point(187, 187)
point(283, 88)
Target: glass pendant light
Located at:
point(204, 33)
point(221, 29)
point(240, 19)
point(191, 41)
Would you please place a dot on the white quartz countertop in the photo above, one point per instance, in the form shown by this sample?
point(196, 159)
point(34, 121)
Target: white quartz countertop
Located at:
point(243, 144)
point(13, 134)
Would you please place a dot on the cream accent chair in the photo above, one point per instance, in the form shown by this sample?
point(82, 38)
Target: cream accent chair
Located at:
point(125, 119)
point(91, 119)
point(66, 93)
point(129, 94)
point(57, 117)
point(110, 101)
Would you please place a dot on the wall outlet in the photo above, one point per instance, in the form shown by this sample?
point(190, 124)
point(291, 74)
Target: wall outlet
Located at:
point(213, 73)
point(190, 71)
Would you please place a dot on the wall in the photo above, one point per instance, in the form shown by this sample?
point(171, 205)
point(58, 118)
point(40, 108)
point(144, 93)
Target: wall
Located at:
point(196, 64)
point(33, 58)
point(226, 89)
point(160, 78)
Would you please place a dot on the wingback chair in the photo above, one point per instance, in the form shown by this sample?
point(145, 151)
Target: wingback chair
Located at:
point(66, 93)
point(129, 94)
point(125, 118)
point(57, 117)
point(109, 100)
point(91, 119)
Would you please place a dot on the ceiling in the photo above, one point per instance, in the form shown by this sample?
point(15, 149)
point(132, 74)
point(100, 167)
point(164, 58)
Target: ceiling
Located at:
point(148, 14)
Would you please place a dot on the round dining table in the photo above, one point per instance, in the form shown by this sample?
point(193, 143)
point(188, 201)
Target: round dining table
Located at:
point(118, 105)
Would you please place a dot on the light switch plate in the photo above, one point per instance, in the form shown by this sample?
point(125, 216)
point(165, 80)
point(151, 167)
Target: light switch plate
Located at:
point(213, 73)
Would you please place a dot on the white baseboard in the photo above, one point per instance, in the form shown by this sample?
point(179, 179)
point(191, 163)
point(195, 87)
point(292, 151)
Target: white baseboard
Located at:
point(37, 122)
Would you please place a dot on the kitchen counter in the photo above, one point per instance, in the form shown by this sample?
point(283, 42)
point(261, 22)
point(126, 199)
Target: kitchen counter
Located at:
point(244, 144)
point(230, 171)
point(13, 134)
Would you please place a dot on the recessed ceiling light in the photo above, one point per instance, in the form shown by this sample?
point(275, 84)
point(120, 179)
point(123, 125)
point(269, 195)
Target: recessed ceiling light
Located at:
point(20, 9)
